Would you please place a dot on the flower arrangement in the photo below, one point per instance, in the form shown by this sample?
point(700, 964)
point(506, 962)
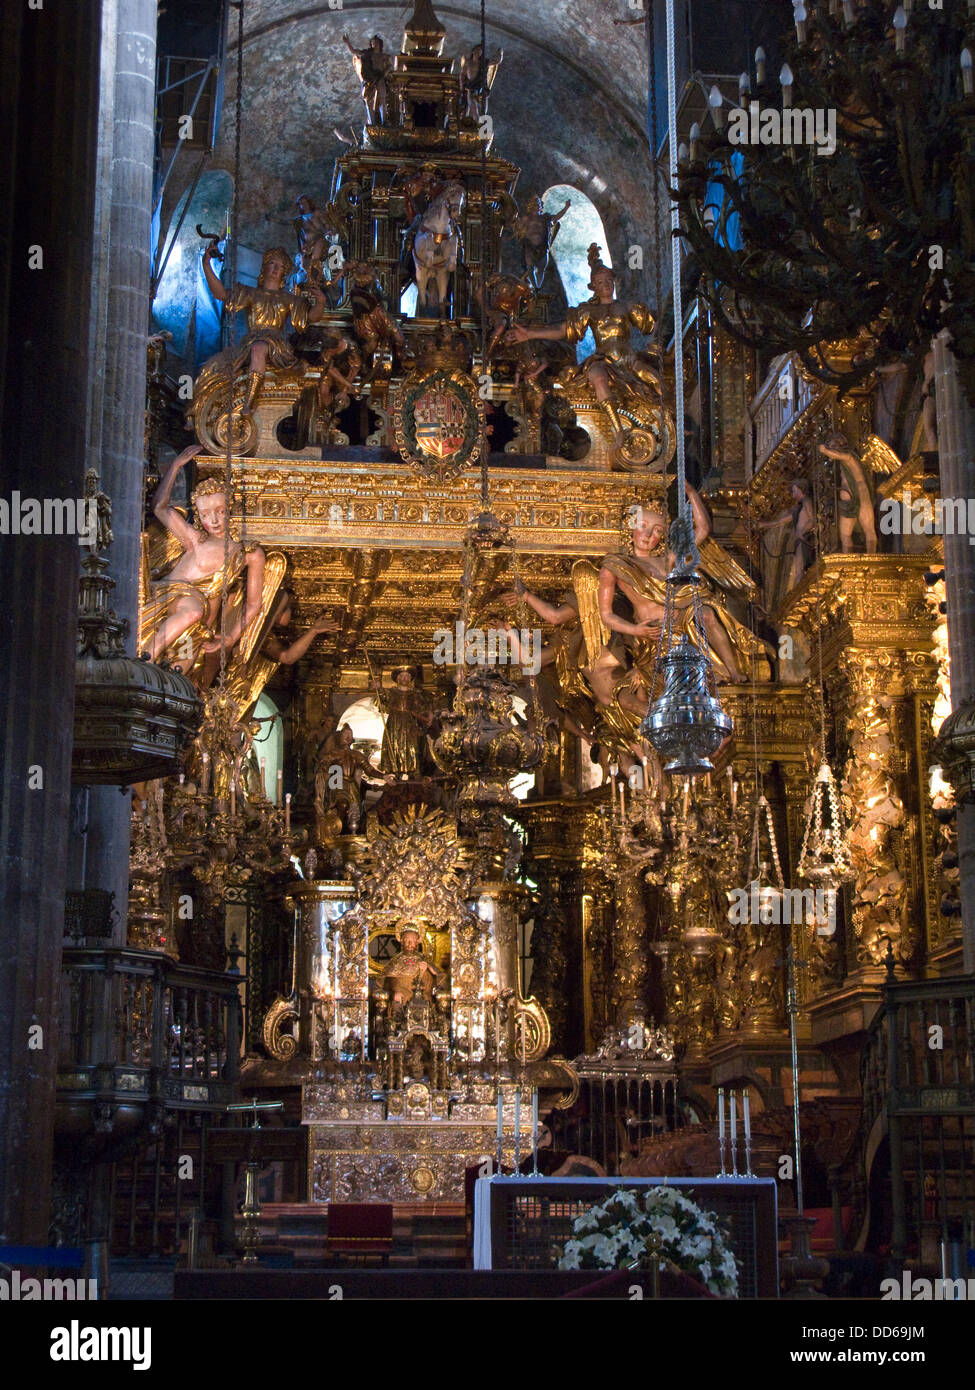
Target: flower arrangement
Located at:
point(622, 1231)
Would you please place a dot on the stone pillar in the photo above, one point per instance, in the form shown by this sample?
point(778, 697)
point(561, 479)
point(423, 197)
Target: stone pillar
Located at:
point(120, 300)
point(956, 452)
point(49, 105)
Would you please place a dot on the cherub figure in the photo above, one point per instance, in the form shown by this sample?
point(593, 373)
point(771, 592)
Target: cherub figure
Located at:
point(211, 570)
point(803, 521)
point(856, 494)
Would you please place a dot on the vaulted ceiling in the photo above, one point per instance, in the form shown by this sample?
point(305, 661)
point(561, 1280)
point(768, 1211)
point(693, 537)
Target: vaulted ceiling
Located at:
point(568, 106)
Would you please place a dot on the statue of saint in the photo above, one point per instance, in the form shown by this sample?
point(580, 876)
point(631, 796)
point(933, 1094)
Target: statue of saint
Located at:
point(371, 66)
point(407, 715)
point(537, 230)
point(856, 494)
point(409, 968)
point(340, 771)
point(476, 80)
point(621, 378)
point(209, 569)
point(268, 307)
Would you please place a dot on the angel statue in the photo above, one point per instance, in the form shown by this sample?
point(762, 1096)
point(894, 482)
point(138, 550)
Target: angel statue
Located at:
point(216, 582)
point(263, 647)
point(856, 495)
point(268, 307)
point(371, 66)
point(613, 620)
point(623, 381)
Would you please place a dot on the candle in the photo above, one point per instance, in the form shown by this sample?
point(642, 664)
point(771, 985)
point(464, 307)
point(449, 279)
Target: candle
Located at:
point(287, 813)
point(746, 1117)
point(734, 1117)
point(233, 799)
point(182, 778)
point(721, 1115)
point(966, 71)
point(685, 804)
point(535, 1129)
point(760, 65)
point(280, 781)
point(517, 1128)
point(623, 802)
point(900, 25)
point(734, 797)
point(500, 1118)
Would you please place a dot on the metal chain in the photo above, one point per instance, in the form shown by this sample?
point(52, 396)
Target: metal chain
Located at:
point(231, 263)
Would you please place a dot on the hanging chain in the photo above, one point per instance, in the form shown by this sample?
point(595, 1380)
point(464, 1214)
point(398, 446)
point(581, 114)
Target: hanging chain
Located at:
point(682, 531)
point(231, 263)
point(658, 254)
point(485, 369)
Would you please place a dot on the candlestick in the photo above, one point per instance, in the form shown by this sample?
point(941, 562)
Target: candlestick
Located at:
point(721, 1127)
point(535, 1131)
point(734, 1134)
point(287, 813)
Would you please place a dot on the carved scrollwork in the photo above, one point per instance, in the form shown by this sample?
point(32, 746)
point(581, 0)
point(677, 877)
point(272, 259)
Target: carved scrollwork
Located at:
point(281, 1046)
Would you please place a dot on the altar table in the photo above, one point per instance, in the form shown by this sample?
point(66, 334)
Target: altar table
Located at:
point(522, 1223)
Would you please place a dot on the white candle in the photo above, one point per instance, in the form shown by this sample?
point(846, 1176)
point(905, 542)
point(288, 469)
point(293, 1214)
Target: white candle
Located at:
point(233, 799)
point(280, 785)
point(734, 1117)
point(182, 778)
point(500, 1116)
point(721, 1114)
point(287, 813)
point(534, 1129)
point(517, 1125)
point(746, 1117)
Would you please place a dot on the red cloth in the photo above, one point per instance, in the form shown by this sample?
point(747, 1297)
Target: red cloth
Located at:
point(360, 1228)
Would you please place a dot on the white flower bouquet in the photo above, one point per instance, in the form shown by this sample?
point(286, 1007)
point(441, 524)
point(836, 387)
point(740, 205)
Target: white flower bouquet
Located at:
point(621, 1232)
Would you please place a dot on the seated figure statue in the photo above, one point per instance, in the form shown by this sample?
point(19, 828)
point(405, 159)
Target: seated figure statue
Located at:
point(408, 971)
point(623, 381)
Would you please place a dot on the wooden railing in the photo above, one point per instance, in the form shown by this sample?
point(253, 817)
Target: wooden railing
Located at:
point(782, 399)
point(918, 1077)
point(136, 1026)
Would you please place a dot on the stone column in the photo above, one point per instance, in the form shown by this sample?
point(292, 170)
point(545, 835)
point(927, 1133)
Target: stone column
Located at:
point(48, 104)
point(956, 452)
point(120, 300)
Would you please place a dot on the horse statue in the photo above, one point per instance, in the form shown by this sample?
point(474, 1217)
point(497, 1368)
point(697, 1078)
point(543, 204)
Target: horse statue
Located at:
point(437, 247)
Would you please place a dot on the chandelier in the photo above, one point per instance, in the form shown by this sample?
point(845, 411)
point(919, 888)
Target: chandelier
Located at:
point(812, 240)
